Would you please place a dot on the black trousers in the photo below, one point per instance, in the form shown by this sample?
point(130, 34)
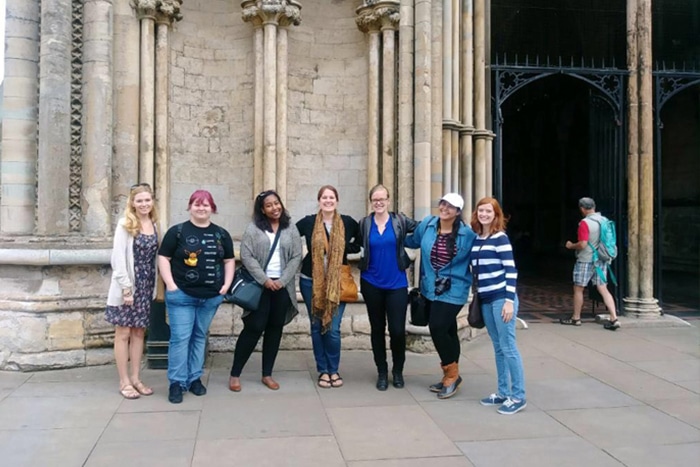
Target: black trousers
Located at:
point(443, 330)
point(268, 318)
point(386, 306)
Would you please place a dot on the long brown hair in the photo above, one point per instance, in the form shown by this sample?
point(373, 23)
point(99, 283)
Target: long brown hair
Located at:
point(499, 221)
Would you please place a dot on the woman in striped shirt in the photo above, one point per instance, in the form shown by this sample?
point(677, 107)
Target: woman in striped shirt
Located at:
point(493, 265)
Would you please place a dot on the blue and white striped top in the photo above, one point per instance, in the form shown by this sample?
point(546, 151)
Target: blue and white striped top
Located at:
point(496, 271)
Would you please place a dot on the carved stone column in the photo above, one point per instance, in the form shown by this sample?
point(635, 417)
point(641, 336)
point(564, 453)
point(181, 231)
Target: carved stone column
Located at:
point(97, 117)
point(405, 189)
point(19, 119)
point(54, 118)
point(270, 159)
point(644, 304)
point(380, 20)
point(466, 149)
point(480, 132)
point(146, 11)
point(437, 177)
point(423, 84)
point(168, 13)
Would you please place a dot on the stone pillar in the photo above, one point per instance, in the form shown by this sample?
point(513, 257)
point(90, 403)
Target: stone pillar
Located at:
point(423, 84)
point(390, 20)
point(480, 133)
point(632, 152)
point(126, 102)
point(404, 188)
point(19, 120)
point(282, 85)
point(447, 76)
point(168, 12)
point(437, 185)
point(644, 304)
point(54, 118)
point(373, 112)
point(466, 149)
point(146, 10)
point(270, 15)
point(97, 117)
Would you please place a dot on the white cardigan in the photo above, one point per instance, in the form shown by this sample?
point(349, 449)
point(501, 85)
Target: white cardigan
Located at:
point(123, 265)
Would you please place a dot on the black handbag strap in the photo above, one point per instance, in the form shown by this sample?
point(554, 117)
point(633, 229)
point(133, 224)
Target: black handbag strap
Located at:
point(475, 281)
point(272, 249)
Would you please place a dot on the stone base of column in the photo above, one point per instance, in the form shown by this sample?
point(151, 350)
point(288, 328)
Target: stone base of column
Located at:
point(642, 308)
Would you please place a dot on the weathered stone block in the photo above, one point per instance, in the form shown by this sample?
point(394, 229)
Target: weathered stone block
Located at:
point(65, 331)
point(45, 360)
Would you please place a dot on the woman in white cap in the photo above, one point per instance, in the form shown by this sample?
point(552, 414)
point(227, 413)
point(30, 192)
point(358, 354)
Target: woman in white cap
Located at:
point(445, 242)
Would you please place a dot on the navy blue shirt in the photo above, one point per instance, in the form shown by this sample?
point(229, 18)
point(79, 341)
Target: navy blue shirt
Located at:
point(383, 270)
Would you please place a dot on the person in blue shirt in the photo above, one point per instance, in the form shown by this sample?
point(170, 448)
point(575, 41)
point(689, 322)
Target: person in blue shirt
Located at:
point(384, 284)
point(445, 243)
point(494, 268)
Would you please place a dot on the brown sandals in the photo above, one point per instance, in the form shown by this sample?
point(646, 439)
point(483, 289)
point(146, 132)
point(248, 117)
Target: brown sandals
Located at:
point(129, 392)
point(142, 388)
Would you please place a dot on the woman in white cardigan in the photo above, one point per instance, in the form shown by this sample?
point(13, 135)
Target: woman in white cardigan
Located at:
point(133, 287)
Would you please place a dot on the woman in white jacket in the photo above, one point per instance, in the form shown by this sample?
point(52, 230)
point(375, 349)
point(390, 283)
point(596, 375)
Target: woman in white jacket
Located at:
point(133, 287)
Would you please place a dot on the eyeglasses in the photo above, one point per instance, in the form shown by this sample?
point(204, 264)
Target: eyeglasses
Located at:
point(144, 185)
point(379, 200)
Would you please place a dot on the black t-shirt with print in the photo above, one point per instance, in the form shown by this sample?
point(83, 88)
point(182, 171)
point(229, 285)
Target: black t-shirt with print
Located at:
point(197, 257)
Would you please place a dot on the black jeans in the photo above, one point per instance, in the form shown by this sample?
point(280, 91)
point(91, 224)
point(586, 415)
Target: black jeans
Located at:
point(386, 305)
point(443, 330)
point(268, 318)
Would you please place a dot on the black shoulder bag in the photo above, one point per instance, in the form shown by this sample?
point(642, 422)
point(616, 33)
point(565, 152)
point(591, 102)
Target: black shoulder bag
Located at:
point(475, 318)
point(245, 291)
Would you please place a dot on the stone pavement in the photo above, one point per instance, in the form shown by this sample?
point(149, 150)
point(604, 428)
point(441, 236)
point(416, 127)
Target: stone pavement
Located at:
point(595, 398)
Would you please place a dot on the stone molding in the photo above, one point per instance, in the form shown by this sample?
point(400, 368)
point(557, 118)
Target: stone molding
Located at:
point(375, 15)
point(163, 11)
point(54, 257)
point(280, 12)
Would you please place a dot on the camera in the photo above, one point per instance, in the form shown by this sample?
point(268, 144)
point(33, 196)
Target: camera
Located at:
point(442, 285)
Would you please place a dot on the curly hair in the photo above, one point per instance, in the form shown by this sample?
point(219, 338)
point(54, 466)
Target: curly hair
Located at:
point(499, 221)
point(259, 217)
point(131, 220)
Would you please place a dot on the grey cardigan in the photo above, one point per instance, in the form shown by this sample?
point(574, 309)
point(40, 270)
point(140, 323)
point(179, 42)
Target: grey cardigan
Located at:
point(255, 247)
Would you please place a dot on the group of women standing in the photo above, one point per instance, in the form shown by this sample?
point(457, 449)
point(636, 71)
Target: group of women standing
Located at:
point(195, 260)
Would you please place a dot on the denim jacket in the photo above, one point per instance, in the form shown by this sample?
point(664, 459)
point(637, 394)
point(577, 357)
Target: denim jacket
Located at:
point(457, 270)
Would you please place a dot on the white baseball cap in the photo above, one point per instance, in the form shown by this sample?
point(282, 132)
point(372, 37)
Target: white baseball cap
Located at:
point(454, 199)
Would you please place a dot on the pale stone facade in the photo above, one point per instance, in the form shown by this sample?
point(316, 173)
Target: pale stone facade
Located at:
point(233, 97)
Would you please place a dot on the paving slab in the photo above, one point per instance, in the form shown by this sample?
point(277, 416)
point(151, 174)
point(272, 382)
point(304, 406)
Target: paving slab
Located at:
point(455, 461)
point(555, 452)
point(136, 453)
point(305, 451)
point(152, 426)
point(673, 455)
point(60, 447)
point(19, 413)
point(396, 432)
point(576, 393)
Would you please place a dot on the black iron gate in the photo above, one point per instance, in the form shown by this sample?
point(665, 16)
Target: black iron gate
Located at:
point(606, 134)
point(667, 83)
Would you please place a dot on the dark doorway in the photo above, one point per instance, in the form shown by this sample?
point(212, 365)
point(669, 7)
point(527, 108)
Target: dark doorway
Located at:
point(679, 140)
point(560, 140)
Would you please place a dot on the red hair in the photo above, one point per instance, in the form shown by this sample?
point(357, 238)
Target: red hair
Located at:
point(499, 220)
point(202, 195)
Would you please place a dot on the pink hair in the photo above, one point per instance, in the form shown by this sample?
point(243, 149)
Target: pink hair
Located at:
point(202, 195)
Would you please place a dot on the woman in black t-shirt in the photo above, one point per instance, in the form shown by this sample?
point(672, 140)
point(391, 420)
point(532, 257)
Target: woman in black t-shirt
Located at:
point(196, 263)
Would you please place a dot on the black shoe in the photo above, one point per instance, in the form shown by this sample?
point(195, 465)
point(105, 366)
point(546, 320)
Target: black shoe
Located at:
point(382, 381)
point(398, 379)
point(451, 390)
point(612, 325)
point(197, 388)
point(175, 393)
point(437, 387)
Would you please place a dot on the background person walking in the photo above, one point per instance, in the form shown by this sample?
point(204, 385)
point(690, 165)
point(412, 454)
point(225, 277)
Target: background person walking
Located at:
point(586, 268)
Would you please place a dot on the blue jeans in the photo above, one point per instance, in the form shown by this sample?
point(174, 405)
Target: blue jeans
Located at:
point(326, 346)
point(190, 318)
point(509, 365)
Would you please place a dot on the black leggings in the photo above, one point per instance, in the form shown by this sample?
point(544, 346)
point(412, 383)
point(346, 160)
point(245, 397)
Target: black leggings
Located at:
point(268, 318)
point(383, 305)
point(443, 330)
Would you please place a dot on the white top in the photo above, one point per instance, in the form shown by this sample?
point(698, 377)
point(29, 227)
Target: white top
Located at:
point(274, 267)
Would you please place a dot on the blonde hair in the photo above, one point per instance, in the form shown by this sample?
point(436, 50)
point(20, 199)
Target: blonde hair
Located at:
point(131, 220)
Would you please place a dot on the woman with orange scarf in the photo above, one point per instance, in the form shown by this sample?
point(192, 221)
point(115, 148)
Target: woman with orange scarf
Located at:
point(329, 237)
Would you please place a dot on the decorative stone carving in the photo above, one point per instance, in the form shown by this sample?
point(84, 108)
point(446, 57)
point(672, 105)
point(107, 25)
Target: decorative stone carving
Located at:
point(76, 121)
point(146, 8)
point(282, 12)
point(169, 10)
point(378, 14)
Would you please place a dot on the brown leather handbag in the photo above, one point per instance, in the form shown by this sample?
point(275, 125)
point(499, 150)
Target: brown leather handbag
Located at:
point(348, 287)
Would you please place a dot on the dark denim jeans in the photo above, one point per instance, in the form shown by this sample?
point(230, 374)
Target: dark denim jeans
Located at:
point(326, 346)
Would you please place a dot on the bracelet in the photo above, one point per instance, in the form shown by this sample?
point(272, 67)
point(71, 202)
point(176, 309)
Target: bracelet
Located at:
point(126, 294)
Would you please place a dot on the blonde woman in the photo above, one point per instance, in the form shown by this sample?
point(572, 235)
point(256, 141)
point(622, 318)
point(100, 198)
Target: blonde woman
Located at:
point(133, 287)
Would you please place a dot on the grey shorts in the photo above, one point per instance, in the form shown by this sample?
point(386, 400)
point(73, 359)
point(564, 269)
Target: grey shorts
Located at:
point(586, 272)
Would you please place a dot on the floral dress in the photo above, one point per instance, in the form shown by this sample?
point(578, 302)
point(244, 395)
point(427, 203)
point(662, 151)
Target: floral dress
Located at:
point(138, 314)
